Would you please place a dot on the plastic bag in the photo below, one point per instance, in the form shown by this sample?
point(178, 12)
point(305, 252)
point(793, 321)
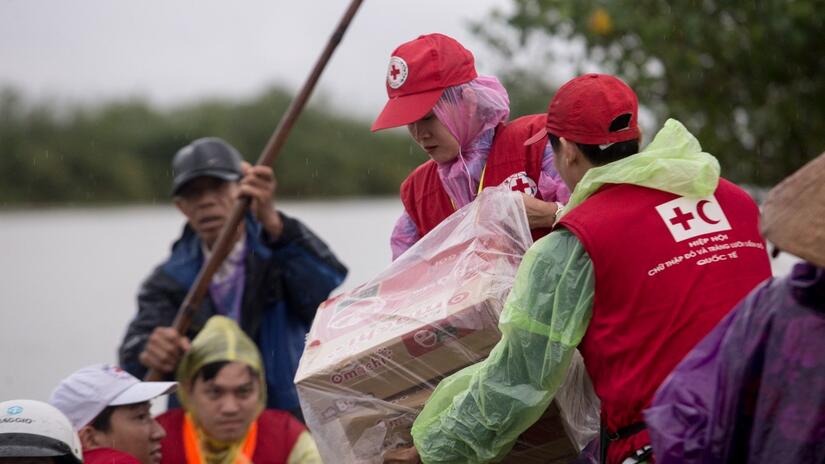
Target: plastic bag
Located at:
point(376, 353)
point(579, 405)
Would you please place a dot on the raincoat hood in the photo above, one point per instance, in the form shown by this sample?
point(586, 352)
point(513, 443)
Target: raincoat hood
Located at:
point(220, 340)
point(470, 112)
point(673, 162)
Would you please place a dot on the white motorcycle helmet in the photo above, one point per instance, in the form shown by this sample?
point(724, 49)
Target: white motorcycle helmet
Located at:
point(31, 429)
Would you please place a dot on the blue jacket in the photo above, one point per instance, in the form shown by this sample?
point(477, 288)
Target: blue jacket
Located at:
point(286, 280)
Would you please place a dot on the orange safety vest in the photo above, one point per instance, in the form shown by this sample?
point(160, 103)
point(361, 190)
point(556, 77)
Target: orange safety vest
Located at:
point(192, 448)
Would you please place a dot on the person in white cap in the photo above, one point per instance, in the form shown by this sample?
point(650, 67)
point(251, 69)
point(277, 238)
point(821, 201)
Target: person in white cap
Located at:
point(109, 408)
point(36, 432)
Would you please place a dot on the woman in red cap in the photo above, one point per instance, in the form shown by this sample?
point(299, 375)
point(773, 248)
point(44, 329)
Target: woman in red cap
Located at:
point(459, 119)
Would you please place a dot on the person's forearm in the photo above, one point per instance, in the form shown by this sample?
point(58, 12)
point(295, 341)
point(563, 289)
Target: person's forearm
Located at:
point(503, 399)
point(477, 414)
point(273, 224)
point(404, 235)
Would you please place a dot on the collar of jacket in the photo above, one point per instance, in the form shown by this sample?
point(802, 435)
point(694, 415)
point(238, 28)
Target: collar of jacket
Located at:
point(673, 162)
point(187, 257)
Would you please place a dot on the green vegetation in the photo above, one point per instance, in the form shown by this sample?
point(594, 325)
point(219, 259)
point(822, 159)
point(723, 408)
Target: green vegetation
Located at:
point(121, 151)
point(747, 77)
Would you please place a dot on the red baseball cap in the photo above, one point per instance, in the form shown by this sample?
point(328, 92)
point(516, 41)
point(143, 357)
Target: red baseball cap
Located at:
point(417, 75)
point(586, 110)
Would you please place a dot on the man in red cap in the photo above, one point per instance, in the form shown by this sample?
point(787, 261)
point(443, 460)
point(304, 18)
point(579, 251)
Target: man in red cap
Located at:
point(459, 119)
point(653, 249)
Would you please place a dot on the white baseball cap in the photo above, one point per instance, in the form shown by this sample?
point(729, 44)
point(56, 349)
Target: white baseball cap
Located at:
point(84, 394)
point(30, 429)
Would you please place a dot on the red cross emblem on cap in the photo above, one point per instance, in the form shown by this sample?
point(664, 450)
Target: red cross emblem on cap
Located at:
point(397, 72)
point(521, 182)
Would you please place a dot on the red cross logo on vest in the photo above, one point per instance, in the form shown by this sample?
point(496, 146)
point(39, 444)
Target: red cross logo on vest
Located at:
point(682, 219)
point(690, 217)
point(396, 72)
point(520, 182)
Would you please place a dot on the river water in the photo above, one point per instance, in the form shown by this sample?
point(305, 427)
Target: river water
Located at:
point(68, 277)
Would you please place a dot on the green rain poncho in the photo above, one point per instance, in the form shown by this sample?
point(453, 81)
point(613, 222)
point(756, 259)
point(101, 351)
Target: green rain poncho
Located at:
point(220, 340)
point(475, 415)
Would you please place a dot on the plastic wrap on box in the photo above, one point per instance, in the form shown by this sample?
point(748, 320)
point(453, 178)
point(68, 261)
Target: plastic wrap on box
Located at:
point(579, 405)
point(376, 353)
point(359, 428)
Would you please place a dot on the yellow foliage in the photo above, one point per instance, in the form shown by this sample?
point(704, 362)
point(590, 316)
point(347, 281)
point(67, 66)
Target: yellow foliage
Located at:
point(600, 22)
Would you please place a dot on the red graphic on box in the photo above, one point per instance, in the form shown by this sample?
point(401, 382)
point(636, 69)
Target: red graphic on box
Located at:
point(432, 336)
point(394, 299)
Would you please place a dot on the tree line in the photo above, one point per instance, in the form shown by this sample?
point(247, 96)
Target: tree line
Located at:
point(121, 151)
point(745, 77)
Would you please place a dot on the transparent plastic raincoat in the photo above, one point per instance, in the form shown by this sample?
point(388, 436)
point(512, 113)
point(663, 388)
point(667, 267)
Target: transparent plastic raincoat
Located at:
point(475, 415)
point(471, 112)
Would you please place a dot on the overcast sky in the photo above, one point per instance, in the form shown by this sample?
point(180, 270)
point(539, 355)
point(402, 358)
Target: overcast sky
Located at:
point(173, 51)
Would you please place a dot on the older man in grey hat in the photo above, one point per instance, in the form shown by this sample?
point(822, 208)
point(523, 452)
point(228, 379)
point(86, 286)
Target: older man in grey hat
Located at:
point(273, 280)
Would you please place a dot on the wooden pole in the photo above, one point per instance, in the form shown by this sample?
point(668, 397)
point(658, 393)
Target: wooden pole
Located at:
point(228, 233)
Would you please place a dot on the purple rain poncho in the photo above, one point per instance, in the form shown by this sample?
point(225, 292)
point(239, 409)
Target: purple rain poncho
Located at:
point(753, 391)
point(471, 112)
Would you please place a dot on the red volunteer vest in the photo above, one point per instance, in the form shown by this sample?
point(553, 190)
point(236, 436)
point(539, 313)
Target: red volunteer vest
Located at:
point(427, 202)
point(667, 270)
point(277, 433)
point(108, 456)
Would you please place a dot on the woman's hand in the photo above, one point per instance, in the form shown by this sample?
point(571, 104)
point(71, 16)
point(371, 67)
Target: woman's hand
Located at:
point(539, 213)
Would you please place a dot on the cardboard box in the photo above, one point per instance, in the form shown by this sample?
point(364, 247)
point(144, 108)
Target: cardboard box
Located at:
point(369, 426)
point(382, 339)
point(362, 428)
point(374, 354)
point(545, 442)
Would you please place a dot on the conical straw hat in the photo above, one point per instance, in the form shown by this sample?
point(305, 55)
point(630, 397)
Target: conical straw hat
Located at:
point(793, 216)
